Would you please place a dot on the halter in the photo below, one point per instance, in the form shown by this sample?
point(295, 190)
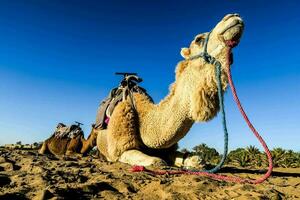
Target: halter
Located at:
point(212, 60)
point(208, 58)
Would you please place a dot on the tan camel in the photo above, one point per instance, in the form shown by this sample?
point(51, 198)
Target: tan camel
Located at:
point(69, 146)
point(150, 137)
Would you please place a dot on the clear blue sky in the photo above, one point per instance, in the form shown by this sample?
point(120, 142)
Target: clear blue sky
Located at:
point(58, 58)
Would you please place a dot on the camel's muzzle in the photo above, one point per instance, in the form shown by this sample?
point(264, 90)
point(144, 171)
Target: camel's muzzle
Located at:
point(233, 29)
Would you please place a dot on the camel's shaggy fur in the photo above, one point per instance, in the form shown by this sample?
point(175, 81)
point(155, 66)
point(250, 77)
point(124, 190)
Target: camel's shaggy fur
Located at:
point(68, 146)
point(132, 136)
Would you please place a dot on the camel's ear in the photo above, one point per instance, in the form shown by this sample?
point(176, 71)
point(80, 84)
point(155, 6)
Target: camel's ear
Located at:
point(185, 52)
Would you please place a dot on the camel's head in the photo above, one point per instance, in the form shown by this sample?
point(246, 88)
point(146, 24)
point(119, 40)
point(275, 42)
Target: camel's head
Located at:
point(197, 76)
point(226, 34)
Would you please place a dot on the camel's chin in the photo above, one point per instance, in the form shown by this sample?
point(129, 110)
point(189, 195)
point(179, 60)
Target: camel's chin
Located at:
point(233, 34)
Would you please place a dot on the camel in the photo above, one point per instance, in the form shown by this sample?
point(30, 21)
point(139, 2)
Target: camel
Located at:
point(149, 135)
point(69, 146)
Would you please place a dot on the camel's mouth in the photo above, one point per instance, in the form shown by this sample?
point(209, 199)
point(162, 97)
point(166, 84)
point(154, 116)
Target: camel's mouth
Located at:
point(233, 29)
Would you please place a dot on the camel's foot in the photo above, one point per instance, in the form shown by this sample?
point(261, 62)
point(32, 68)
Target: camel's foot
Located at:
point(189, 161)
point(72, 155)
point(136, 157)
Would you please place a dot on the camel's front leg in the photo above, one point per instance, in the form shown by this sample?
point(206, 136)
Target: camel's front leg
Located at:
point(43, 149)
point(136, 157)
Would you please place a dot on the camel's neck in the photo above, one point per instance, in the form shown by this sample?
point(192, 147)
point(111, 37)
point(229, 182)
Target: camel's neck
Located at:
point(192, 98)
point(87, 144)
point(164, 124)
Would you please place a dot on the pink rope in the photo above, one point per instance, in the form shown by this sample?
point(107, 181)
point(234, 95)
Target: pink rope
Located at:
point(250, 125)
point(217, 176)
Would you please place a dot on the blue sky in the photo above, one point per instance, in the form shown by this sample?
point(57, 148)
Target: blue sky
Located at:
point(58, 58)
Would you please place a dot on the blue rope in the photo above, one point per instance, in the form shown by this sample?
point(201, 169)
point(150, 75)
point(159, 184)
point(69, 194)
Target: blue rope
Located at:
point(217, 65)
point(223, 117)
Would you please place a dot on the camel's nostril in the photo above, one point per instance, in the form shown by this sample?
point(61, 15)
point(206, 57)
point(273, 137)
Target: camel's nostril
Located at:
point(227, 17)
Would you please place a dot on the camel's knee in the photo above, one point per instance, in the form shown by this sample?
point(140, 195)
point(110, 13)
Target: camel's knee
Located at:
point(136, 157)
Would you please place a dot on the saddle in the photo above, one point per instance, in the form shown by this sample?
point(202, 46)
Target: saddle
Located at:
point(127, 87)
point(63, 131)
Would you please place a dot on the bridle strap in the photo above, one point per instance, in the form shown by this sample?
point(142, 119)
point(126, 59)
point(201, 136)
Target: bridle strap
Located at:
point(205, 44)
point(208, 58)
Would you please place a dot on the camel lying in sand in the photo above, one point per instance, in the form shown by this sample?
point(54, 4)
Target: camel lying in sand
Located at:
point(69, 145)
point(150, 137)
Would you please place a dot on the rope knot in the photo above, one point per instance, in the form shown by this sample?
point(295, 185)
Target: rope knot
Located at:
point(207, 57)
point(137, 168)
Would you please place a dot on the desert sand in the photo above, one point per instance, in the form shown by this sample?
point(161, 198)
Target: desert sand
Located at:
point(26, 175)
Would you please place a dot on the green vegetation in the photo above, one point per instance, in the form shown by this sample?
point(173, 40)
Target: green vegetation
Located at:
point(207, 154)
point(250, 157)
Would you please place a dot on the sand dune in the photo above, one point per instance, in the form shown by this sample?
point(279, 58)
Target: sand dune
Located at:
point(25, 175)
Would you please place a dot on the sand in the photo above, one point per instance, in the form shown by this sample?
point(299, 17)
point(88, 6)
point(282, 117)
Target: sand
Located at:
point(26, 175)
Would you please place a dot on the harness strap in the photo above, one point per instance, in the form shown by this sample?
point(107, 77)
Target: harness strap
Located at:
point(125, 90)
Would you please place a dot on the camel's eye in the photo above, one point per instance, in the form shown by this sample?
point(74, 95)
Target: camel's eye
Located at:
point(199, 40)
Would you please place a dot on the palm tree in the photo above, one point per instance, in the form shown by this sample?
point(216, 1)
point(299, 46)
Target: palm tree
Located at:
point(201, 148)
point(233, 154)
point(252, 150)
point(278, 155)
point(254, 155)
point(249, 156)
point(207, 154)
point(297, 159)
point(184, 150)
point(242, 159)
point(290, 159)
